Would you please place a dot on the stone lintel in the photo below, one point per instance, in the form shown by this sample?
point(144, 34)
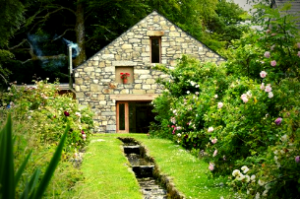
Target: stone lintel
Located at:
point(155, 33)
point(124, 63)
point(130, 97)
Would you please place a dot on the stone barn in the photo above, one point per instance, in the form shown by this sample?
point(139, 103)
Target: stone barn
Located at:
point(124, 107)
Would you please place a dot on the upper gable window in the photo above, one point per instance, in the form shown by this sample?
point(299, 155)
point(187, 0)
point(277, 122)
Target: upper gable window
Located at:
point(155, 43)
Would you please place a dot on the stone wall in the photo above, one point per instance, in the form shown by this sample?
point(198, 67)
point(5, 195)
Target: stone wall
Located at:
point(95, 79)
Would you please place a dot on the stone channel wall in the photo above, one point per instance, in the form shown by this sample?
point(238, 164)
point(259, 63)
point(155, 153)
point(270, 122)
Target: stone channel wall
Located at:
point(95, 80)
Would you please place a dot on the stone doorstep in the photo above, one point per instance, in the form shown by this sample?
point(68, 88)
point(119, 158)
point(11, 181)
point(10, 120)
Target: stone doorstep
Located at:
point(131, 147)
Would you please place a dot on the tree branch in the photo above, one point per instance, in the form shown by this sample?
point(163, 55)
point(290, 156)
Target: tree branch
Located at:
point(18, 45)
point(60, 36)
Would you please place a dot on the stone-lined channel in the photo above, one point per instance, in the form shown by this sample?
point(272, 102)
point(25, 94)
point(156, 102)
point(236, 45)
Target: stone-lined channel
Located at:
point(153, 185)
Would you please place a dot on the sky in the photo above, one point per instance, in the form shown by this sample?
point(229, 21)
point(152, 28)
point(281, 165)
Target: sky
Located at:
point(243, 4)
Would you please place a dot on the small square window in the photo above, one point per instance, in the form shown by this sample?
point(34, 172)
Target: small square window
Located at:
point(155, 43)
point(124, 69)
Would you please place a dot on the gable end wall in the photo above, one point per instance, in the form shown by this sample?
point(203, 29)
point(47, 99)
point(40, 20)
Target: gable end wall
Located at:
point(95, 79)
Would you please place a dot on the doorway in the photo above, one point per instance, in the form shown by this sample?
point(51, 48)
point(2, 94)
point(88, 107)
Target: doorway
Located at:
point(134, 116)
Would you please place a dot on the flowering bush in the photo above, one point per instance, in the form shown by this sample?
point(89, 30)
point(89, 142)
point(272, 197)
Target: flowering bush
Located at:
point(50, 113)
point(244, 117)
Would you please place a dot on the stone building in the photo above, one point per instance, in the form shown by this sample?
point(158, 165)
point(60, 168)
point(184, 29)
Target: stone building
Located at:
point(120, 107)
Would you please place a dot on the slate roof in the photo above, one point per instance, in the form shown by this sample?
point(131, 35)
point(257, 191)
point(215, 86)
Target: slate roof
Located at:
point(295, 9)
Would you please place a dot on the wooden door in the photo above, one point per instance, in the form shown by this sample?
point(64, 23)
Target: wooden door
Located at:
point(122, 117)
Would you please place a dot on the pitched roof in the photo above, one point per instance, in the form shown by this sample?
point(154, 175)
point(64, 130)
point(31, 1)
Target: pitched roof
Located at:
point(295, 8)
point(128, 30)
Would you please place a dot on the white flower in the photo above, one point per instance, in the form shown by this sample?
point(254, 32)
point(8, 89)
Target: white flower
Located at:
point(284, 138)
point(270, 95)
point(221, 197)
point(257, 196)
point(236, 172)
point(220, 105)
point(216, 96)
point(29, 117)
point(265, 193)
point(247, 178)
point(210, 129)
point(47, 78)
point(197, 93)
point(253, 178)
point(188, 92)
point(197, 86)
point(193, 83)
point(249, 94)
point(240, 177)
point(8, 88)
point(260, 182)
point(245, 169)
point(178, 134)
point(78, 114)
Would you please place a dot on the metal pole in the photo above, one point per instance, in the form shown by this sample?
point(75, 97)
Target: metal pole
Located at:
point(70, 68)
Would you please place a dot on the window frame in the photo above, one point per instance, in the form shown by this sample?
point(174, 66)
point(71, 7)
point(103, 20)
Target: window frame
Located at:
point(159, 48)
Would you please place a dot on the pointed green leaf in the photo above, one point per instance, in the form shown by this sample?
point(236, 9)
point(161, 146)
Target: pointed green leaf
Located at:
point(21, 169)
point(51, 167)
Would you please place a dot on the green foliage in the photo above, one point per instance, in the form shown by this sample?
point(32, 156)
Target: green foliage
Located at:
point(9, 181)
point(11, 14)
point(244, 117)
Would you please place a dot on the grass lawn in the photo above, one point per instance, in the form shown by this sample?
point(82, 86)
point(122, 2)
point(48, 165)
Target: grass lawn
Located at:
point(107, 174)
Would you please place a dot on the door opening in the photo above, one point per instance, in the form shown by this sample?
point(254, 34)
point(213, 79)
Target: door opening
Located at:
point(134, 116)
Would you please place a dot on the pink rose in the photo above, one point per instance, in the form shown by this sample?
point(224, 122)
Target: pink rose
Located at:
point(220, 105)
point(211, 166)
point(263, 74)
point(268, 88)
point(262, 86)
point(267, 54)
point(244, 98)
point(273, 63)
point(214, 141)
point(215, 153)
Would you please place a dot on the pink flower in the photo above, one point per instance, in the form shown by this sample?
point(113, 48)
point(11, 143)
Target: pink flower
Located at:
point(82, 132)
point(262, 86)
point(268, 88)
point(273, 63)
point(270, 95)
point(215, 153)
point(278, 121)
point(211, 166)
point(244, 98)
point(214, 141)
point(298, 54)
point(263, 74)
point(297, 159)
point(267, 54)
point(298, 45)
point(220, 105)
point(210, 129)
